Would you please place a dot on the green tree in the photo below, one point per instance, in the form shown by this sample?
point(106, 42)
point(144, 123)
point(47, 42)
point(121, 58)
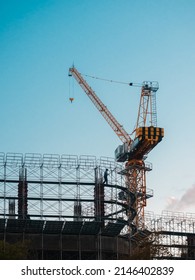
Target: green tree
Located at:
point(149, 248)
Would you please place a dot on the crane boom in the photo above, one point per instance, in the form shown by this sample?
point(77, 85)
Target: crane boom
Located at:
point(118, 128)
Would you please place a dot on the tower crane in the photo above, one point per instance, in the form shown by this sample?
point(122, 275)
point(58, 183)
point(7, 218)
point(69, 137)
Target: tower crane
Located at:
point(133, 151)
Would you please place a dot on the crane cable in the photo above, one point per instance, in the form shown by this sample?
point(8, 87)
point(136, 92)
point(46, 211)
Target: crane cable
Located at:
point(71, 90)
point(113, 81)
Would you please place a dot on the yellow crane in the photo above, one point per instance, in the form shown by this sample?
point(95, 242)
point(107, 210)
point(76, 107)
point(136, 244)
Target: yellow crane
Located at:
point(134, 150)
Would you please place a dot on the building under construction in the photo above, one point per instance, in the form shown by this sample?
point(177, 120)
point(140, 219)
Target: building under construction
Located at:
point(65, 209)
point(62, 205)
point(70, 207)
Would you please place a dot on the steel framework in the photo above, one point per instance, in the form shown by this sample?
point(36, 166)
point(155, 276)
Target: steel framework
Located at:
point(38, 189)
point(62, 187)
point(174, 231)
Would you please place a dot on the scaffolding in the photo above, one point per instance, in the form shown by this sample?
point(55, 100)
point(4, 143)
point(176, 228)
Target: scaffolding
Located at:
point(67, 195)
point(59, 187)
point(174, 231)
point(64, 198)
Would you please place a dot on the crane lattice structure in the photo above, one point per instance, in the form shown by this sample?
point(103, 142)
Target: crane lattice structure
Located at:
point(133, 151)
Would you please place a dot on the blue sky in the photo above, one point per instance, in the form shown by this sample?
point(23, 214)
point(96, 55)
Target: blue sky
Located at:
point(123, 40)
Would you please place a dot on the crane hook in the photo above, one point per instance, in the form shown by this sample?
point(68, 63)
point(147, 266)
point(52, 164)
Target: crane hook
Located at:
point(71, 99)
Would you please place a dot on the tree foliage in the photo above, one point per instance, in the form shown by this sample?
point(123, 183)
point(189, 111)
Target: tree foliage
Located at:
point(149, 248)
point(15, 251)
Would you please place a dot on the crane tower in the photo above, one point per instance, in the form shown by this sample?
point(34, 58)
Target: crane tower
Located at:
point(134, 150)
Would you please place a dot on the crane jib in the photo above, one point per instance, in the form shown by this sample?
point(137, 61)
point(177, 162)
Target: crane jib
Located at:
point(120, 132)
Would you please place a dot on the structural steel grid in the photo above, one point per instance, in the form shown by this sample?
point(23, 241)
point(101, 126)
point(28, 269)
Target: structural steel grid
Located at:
point(66, 197)
point(175, 232)
point(49, 186)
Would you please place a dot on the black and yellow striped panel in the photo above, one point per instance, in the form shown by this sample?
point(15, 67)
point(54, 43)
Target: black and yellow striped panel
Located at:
point(153, 133)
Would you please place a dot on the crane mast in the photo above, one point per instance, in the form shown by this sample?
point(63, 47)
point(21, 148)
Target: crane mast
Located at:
point(133, 151)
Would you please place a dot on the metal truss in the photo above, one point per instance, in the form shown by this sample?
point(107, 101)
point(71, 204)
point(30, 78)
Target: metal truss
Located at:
point(174, 231)
point(58, 185)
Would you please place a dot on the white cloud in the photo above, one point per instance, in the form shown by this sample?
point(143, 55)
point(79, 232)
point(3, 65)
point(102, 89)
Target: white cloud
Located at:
point(186, 202)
